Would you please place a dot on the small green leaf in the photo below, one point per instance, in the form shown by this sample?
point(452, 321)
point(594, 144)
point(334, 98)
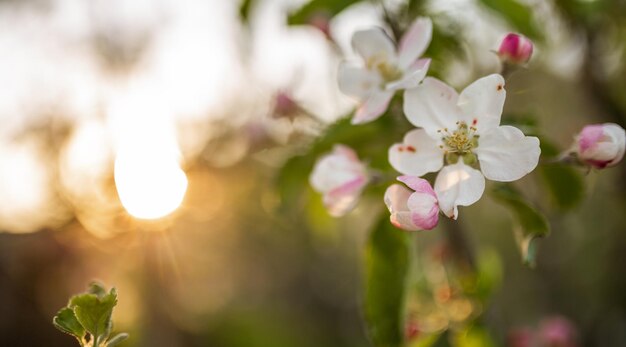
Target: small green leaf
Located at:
point(244, 10)
point(94, 313)
point(518, 15)
point(117, 339)
point(531, 223)
point(387, 261)
point(66, 321)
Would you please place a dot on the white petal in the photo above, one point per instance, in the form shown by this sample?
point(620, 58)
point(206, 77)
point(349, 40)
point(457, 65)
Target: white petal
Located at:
point(415, 41)
point(412, 77)
point(506, 155)
point(374, 44)
point(417, 155)
point(357, 81)
point(458, 185)
point(432, 106)
point(483, 101)
point(396, 198)
point(373, 107)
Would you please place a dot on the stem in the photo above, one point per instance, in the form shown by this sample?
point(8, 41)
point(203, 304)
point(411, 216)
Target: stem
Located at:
point(460, 245)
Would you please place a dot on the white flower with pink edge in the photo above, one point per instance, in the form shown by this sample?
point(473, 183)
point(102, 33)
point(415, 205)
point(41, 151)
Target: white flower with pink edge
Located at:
point(462, 130)
point(340, 177)
point(601, 145)
point(384, 70)
point(412, 210)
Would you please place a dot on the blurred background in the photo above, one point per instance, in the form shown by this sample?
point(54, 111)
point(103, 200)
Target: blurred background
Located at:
point(147, 144)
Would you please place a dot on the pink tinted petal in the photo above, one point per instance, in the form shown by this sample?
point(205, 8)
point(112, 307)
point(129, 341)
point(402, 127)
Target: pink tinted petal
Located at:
point(346, 151)
point(415, 41)
point(375, 105)
point(343, 198)
point(419, 185)
point(424, 210)
point(589, 137)
point(515, 49)
point(396, 198)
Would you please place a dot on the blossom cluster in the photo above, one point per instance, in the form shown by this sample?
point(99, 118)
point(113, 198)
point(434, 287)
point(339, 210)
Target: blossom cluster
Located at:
point(456, 135)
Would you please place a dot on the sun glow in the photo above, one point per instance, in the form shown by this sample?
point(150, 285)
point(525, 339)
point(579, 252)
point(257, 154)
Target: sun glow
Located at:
point(148, 175)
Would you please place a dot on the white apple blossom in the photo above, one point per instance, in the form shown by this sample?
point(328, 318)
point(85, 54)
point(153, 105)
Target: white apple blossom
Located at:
point(410, 210)
point(601, 145)
point(340, 177)
point(462, 130)
point(384, 70)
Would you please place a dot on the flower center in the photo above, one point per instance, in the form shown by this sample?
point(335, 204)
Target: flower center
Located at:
point(387, 70)
point(459, 142)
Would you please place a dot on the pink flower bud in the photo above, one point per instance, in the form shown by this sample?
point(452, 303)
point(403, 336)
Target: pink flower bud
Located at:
point(340, 177)
point(412, 210)
point(557, 332)
point(515, 49)
point(601, 145)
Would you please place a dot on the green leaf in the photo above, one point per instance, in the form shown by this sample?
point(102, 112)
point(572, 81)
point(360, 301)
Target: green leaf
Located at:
point(94, 313)
point(518, 15)
point(531, 223)
point(564, 182)
point(117, 339)
point(302, 15)
point(66, 321)
point(387, 261)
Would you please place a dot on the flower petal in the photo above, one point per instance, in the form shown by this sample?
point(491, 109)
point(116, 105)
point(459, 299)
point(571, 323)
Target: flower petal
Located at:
point(458, 185)
point(506, 155)
point(396, 198)
point(415, 41)
point(357, 81)
point(483, 101)
point(417, 155)
point(343, 198)
point(423, 203)
point(424, 210)
point(373, 107)
point(373, 43)
point(336, 169)
point(432, 106)
point(412, 77)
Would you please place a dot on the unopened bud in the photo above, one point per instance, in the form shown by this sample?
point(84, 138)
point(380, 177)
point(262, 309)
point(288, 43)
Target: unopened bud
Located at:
point(601, 145)
point(515, 49)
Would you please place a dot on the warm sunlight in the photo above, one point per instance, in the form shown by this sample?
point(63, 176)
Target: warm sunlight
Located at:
point(150, 185)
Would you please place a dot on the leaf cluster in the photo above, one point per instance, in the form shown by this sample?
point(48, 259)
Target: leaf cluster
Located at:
point(87, 317)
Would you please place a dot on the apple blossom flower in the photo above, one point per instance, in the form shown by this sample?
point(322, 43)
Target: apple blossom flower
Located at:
point(340, 177)
point(384, 70)
point(463, 130)
point(601, 145)
point(412, 210)
point(515, 49)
